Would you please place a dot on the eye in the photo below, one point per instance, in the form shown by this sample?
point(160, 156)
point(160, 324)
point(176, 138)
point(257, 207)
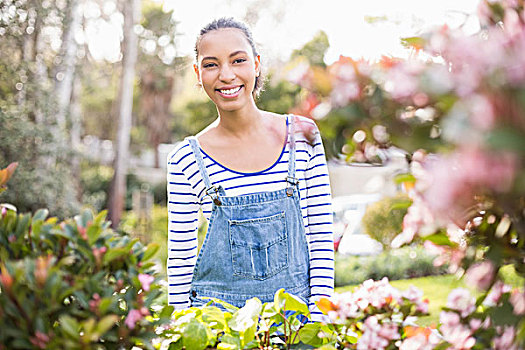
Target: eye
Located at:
point(208, 65)
point(239, 60)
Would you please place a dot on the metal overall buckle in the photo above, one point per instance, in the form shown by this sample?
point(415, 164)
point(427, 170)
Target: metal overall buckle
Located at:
point(214, 195)
point(291, 181)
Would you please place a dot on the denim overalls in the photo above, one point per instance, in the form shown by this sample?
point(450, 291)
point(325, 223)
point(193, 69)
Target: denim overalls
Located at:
point(255, 244)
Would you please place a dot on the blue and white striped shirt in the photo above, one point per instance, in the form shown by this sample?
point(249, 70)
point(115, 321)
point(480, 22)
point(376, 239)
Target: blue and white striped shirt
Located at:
point(186, 197)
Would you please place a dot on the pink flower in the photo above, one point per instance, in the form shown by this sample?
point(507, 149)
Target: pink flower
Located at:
point(461, 300)
point(418, 342)
point(506, 340)
point(495, 293)
point(449, 319)
point(145, 281)
point(389, 331)
point(371, 338)
point(401, 81)
point(457, 178)
point(517, 299)
point(133, 317)
point(481, 274)
point(460, 338)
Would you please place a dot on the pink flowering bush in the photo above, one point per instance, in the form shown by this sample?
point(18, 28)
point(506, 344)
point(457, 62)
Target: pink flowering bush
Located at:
point(377, 316)
point(457, 107)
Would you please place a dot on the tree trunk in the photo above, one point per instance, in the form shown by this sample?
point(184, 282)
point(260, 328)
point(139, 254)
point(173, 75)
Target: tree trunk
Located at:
point(66, 71)
point(130, 48)
point(76, 131)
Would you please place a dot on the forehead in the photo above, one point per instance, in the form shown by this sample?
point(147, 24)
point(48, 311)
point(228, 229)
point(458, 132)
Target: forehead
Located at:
point(223, 41)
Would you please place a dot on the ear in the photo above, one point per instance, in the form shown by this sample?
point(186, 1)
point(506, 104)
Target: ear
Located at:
point(196, 69)
point(257, 61)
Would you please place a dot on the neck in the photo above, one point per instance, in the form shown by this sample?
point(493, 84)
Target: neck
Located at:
point(240, 122)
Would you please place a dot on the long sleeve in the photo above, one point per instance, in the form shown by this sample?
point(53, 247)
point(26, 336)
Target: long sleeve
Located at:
point(183, 216)
point(320, 228)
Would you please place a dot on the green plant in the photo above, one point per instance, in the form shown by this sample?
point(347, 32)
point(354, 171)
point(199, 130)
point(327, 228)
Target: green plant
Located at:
point(75, 284)
point(383, 220)
point(402, 263)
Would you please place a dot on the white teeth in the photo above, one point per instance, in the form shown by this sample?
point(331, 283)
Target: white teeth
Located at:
point(230, 91)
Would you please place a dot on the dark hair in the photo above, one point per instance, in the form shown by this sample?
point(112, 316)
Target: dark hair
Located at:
point(230, 22)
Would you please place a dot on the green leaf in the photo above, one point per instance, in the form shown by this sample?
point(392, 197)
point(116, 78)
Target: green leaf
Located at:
point(70, 326)
point(248, 335)
point(507, 138)
point(22, 226)
point(151, 250)
point(308, 334)
point(93, 232)
point(228, 307)
point(177, 345)
point(294, 303)
point(114, 253)
point(401, 178)
point(166, 311)
point(279, 300)
point(439, 238)
point(105, 324)
point(414, 41)
point(246, 316)
point(41, 214)
point(100, 217)
point(213, 314)
point(89, 329)
point(195, 336)
point(327, 347)
point(269, 310)
point(230, 342)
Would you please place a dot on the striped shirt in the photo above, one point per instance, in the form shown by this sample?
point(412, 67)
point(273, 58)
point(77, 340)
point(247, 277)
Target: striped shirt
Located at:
point(186, 197)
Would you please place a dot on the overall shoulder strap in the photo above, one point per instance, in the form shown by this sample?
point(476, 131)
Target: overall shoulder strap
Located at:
point(290, 178)
point(200, 161)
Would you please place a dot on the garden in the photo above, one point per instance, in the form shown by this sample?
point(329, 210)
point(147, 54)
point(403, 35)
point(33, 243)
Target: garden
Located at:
point(451, 271)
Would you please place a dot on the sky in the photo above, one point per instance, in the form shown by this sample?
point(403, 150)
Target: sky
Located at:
point(284, 25)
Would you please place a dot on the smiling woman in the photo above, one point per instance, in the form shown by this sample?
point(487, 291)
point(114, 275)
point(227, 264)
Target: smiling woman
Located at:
point(260, 180)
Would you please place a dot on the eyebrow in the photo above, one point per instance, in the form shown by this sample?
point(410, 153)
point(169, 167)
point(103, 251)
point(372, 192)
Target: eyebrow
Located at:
point(231, 55)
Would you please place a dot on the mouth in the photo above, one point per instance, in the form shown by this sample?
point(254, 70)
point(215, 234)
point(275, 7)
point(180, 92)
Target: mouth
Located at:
point(229, 93)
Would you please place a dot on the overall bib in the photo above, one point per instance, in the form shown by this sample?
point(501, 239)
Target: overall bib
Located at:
point(255, 244)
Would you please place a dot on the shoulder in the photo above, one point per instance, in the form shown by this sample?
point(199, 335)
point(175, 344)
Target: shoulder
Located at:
point(306, 130)
point(179, 152)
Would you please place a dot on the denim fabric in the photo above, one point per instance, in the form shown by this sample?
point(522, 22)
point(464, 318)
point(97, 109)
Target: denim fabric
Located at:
point(255, 243)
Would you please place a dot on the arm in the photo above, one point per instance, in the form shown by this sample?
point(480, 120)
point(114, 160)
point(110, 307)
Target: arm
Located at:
point(320, 227)
point(183, 215)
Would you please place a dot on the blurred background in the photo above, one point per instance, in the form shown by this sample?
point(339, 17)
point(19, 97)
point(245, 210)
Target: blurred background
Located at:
point(94, 94)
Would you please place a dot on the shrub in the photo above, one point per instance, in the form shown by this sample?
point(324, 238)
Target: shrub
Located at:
point(383, 220)
point(406, 262)
point(75, 284)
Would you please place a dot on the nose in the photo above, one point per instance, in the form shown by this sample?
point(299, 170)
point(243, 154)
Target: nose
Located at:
point(226, 73)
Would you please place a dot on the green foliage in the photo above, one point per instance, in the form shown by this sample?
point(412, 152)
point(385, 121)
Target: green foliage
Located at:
point(95, 181)
point(383, 220)
point(314, 50)
point(154, 231)
point(278, 96)
point(43, 178)
point(75, 284)
point(396, 264)
point(277, 324)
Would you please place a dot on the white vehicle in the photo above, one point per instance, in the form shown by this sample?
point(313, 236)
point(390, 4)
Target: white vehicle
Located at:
point(349, 238)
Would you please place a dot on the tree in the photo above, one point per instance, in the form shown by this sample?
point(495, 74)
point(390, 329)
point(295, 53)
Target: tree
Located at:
point(314, 50)
point(157, 66)
point(118, 189)
point(28, 106)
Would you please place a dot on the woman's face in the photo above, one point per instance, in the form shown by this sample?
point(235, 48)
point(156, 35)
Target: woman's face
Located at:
point(227, 68)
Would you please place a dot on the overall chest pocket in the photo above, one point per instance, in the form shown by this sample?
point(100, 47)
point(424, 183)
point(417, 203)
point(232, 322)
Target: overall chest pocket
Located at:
point(259, 246)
